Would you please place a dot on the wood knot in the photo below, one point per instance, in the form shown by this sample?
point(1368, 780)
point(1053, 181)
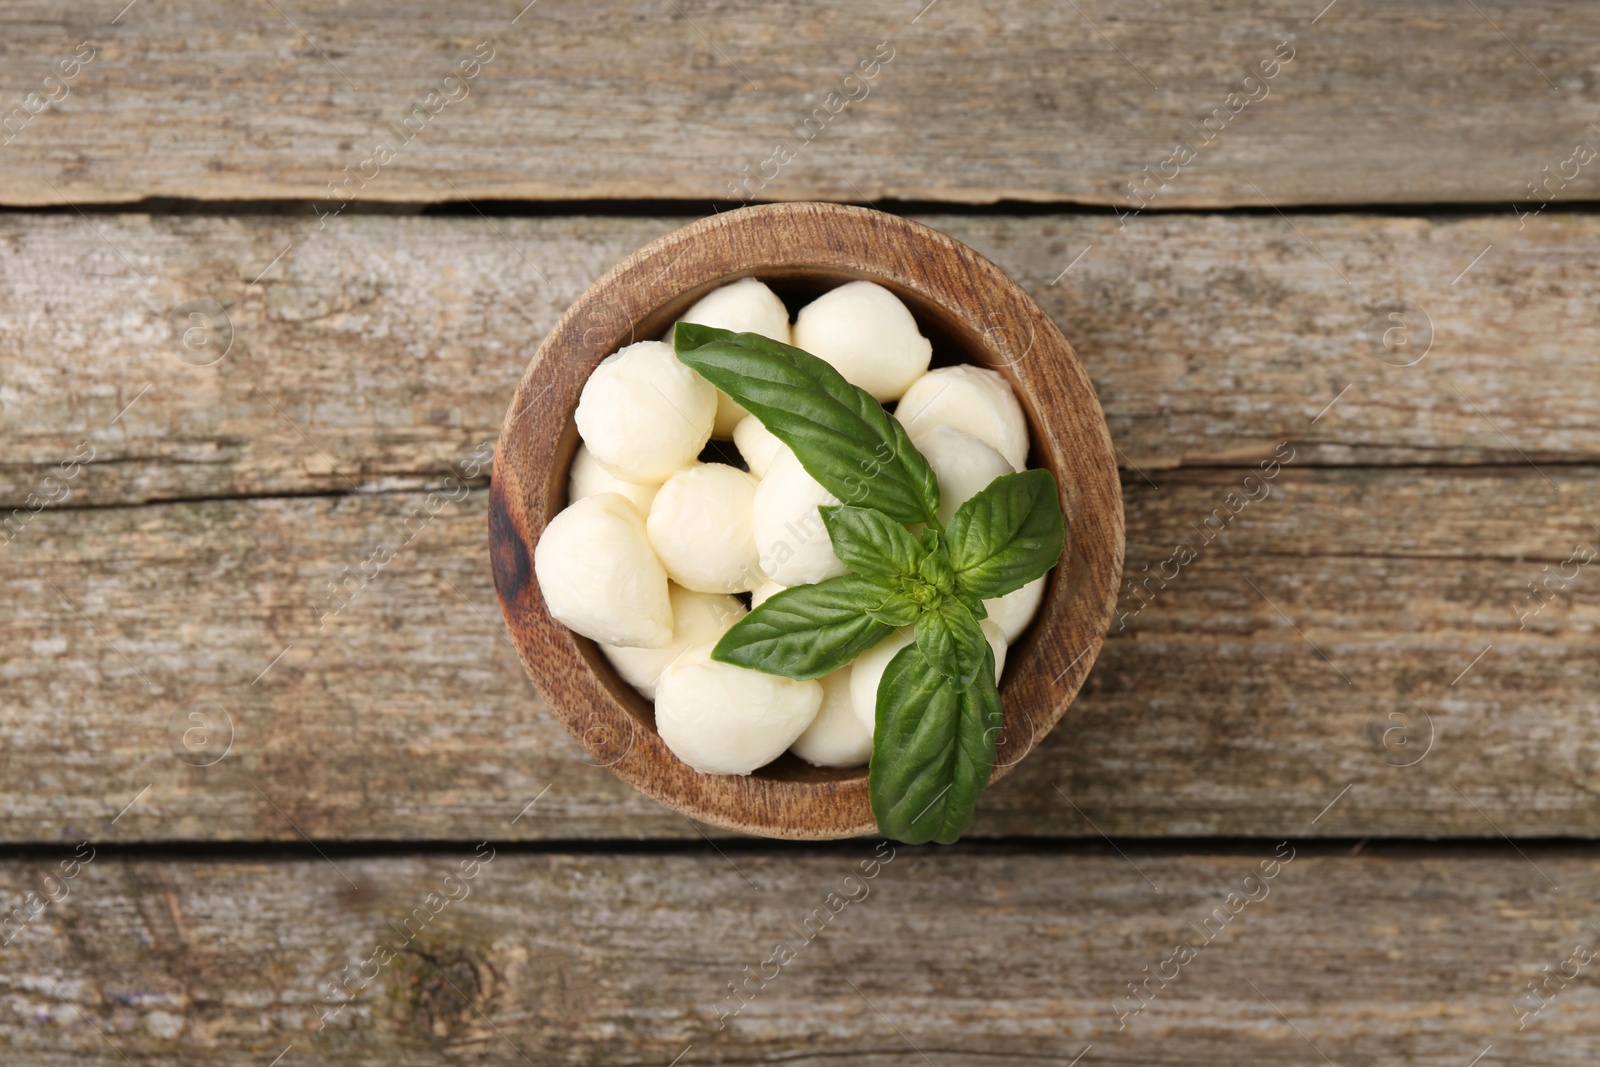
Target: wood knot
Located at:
point(448, 992)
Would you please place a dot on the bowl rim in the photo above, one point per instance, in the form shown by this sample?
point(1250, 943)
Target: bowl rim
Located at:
point(955, 293)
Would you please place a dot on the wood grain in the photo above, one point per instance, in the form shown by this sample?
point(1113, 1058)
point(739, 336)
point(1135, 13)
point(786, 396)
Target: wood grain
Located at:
point(407, 717)
point(1425, 101)
point(949, 958)
point(974, 313)
point(380, 353)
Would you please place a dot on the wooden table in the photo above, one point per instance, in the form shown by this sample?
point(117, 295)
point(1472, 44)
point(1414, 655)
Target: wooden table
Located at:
point(1347, 757)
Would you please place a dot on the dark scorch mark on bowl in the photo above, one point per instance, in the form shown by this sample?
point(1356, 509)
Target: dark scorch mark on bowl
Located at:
point(508, 555)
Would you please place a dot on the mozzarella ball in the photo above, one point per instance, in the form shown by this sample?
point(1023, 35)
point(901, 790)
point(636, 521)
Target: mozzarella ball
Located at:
point(1014, 611)
point(644, 414)
point(760, 595)
point(722, 719)
point(600, 577)
point(997, 641)
point(588, 478)
point(835, 738)
point(744, 306)
point(867, 671)
point(868, 336)
point(974, 399)
point(696, 619)
point(963, 464)
point(793, 544)
point(756, 444)
point(700, 527)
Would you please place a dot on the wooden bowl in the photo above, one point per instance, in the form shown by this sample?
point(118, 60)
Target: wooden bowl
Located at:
point(973, 313)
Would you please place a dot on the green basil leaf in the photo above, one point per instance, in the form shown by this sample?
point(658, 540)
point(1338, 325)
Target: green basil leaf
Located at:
point(1007, 535)
point(936, 569)
point(841, 435)
point(952, 641)
point(934, 750)
point(870, 542)
point(809, 630)
point(897, 610)
point(974, 604)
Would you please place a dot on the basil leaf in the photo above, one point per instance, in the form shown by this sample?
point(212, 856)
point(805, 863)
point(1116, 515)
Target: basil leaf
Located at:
point(897, 610)
point(952, 641)
point(809, 630)
point(841, 435)
point(870, 542)
point(1007, 535)
point(936, 568)
point(934, 749)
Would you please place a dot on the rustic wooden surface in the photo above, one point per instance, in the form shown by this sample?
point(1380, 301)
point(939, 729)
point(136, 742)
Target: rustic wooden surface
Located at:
point(948, 958)
point(1024, 99)
point(1344, 668)
point(407, 716)
point(379, 354)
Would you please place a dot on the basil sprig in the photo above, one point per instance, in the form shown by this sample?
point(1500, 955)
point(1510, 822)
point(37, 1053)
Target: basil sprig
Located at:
point(938, 707)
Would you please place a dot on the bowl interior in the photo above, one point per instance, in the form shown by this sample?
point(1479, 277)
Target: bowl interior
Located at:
point(954, 341)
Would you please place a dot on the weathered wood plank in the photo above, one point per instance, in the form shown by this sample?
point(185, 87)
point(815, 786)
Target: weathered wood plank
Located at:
point(953, 958)
point(1211, 711)
point(379, 353)
point(1421, 102)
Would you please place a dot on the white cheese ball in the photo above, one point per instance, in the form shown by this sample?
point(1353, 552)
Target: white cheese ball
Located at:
point(744, 306)
point(700, 527)
point(588, 478)
point(868, 336)
point(974, 399)
point(722, 719)
point(835, 738)
point(793, 544)
point(963, 464)
point(997, 641)
point(696, 619)
point(761, 594)
point(600, 577)
point(1014, 611)
point(644, 414)
point(756, 444)
point(867, 671)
